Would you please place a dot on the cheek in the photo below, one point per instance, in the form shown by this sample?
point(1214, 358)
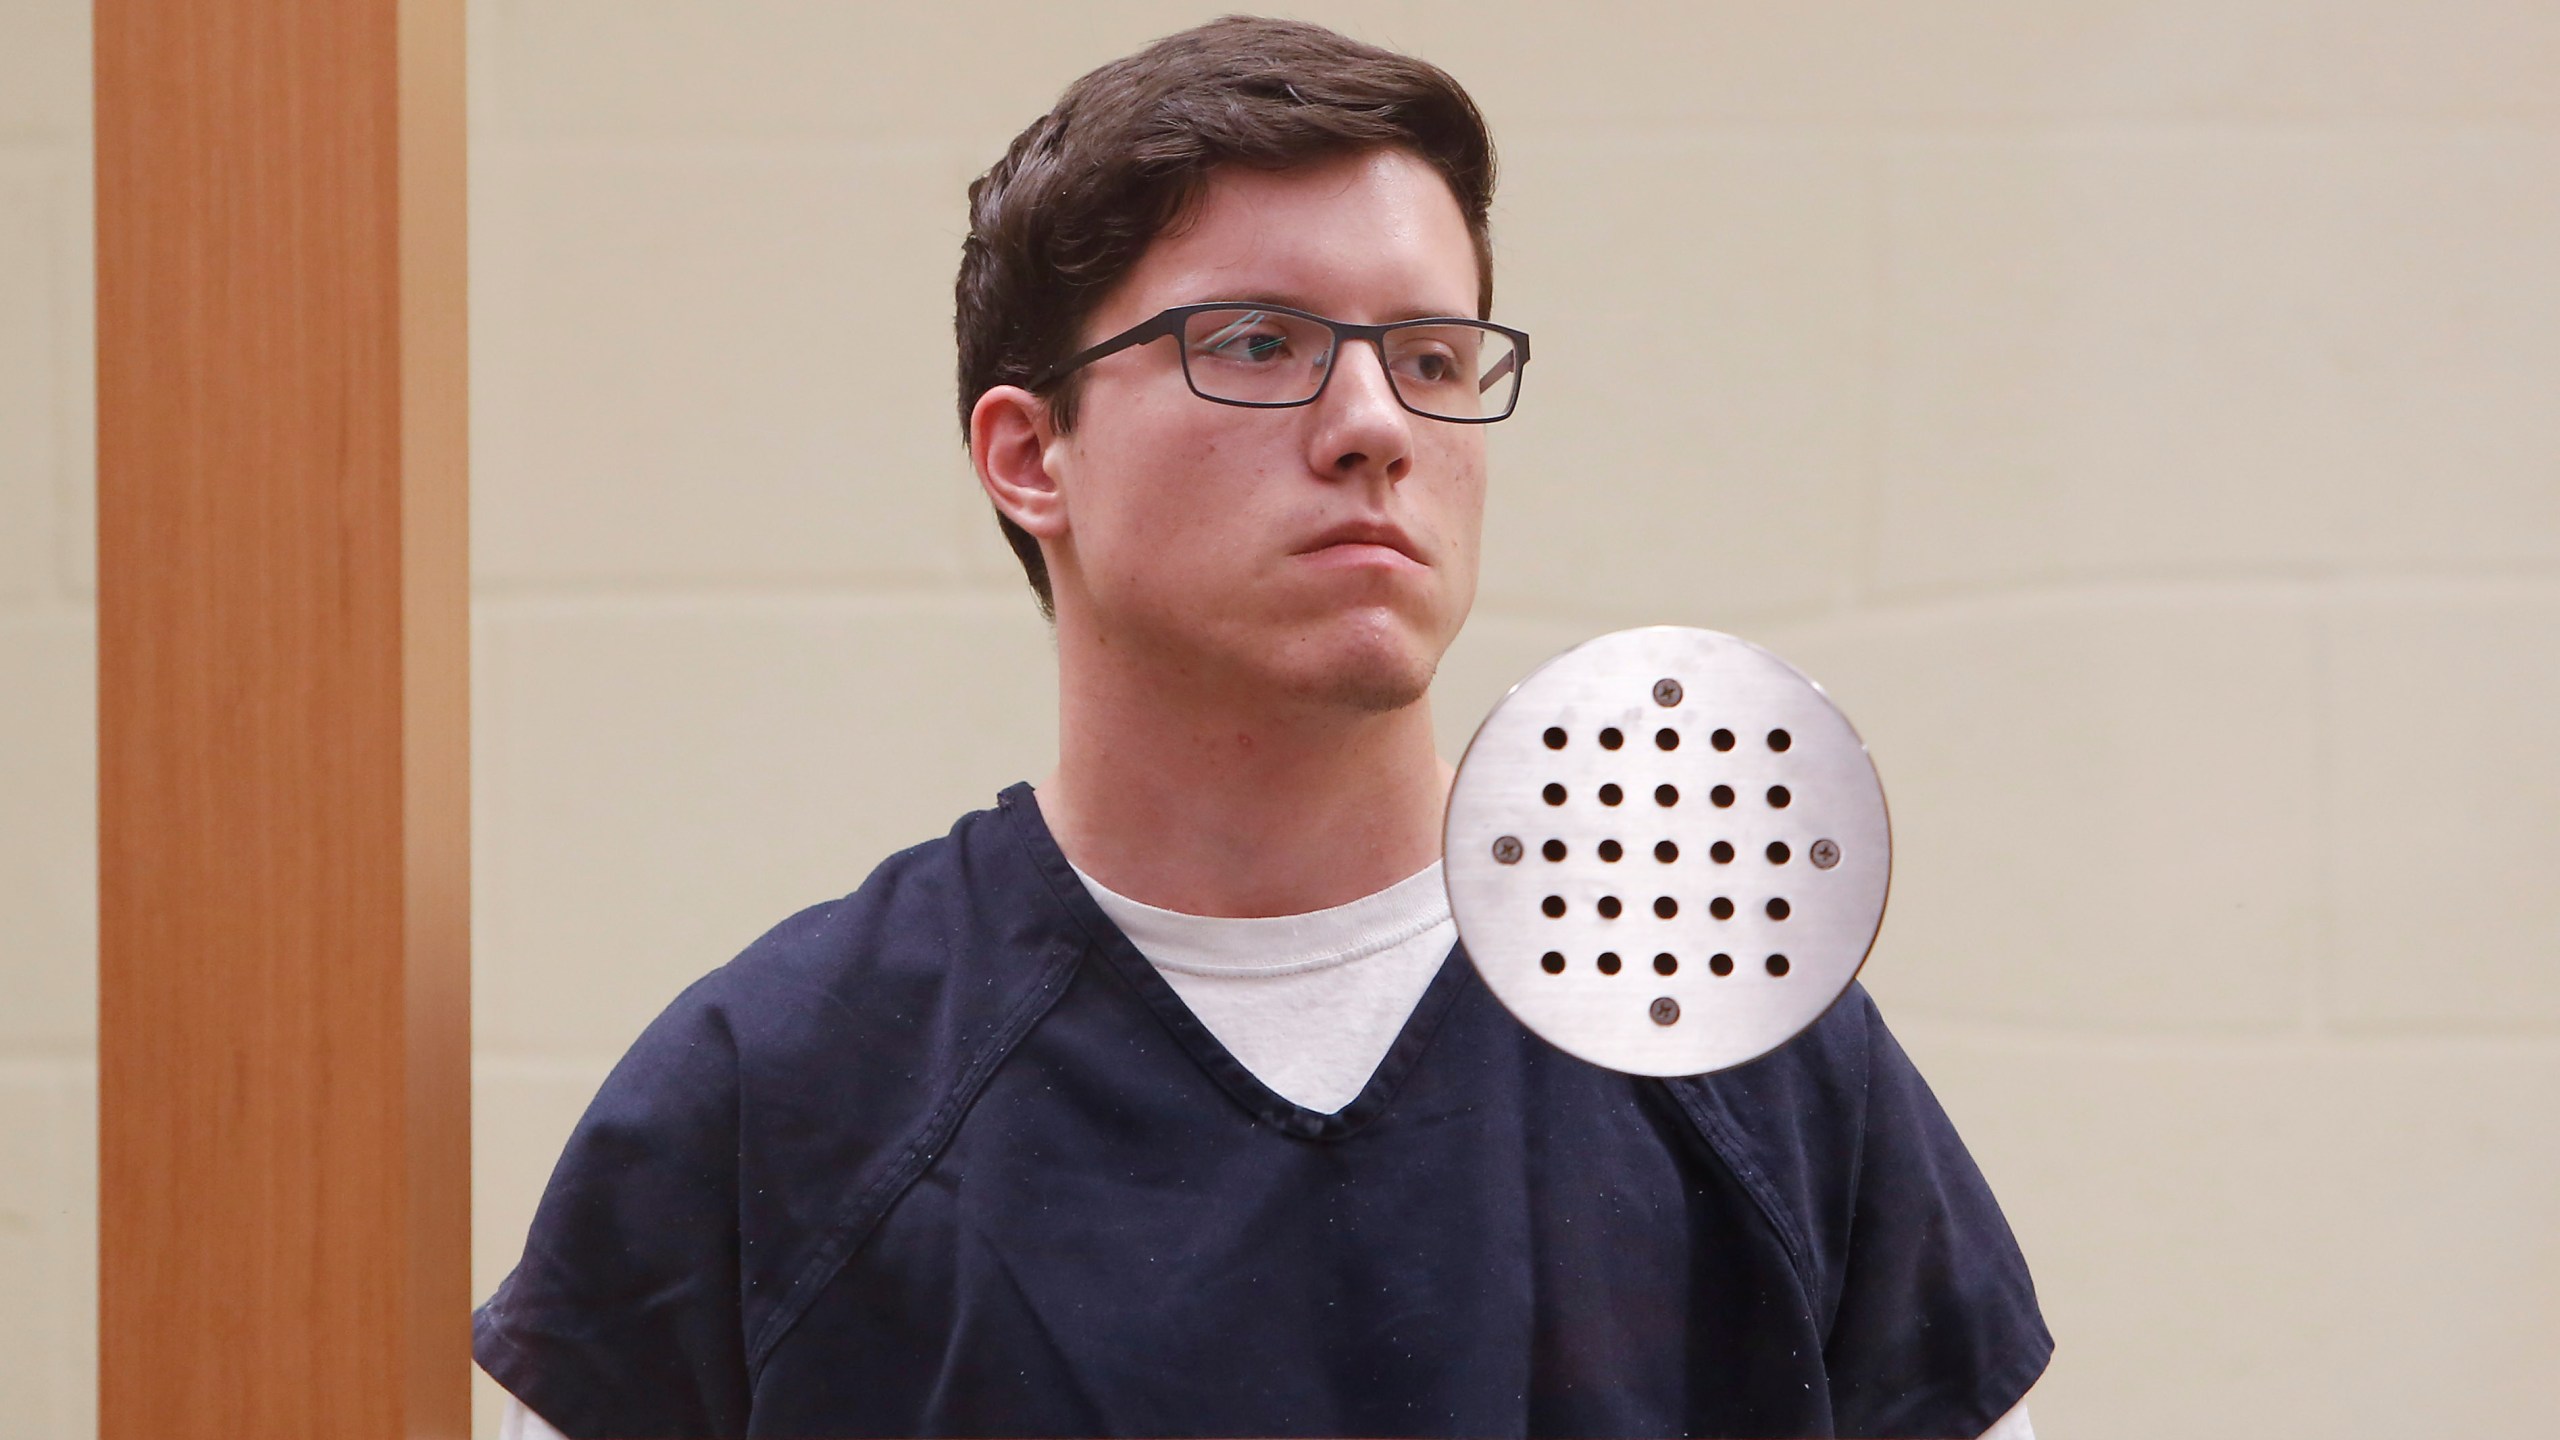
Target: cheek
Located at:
point(1458, 502)
point(1169, 502)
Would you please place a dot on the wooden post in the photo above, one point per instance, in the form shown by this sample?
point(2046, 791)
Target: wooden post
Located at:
point(283, 991)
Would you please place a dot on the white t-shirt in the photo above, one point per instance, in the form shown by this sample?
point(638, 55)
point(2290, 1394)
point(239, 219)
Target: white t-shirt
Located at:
point(1309, 1003)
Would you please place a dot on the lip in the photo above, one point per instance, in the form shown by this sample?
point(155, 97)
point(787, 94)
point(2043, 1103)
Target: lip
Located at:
point(1369, 534)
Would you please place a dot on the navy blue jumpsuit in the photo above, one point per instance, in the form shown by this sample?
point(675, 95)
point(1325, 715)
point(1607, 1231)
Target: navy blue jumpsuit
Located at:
point(949, 1157)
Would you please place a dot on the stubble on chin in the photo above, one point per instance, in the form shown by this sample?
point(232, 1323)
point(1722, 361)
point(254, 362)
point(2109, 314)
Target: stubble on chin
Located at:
point(1365, 690)
point(1380, 677)
point(1387, 665)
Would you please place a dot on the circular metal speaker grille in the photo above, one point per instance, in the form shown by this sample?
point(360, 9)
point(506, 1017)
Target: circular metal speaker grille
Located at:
point(1667, 851)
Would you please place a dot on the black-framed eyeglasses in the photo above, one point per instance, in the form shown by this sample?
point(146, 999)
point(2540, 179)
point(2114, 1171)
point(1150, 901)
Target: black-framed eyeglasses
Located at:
point(1270, 357)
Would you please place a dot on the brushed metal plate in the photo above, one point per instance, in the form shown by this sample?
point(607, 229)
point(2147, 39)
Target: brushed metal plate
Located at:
point(1745, 820)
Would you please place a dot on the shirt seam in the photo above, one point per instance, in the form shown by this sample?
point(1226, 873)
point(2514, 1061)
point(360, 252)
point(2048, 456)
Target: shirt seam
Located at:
point(1731, 1151)
point(863, 1213)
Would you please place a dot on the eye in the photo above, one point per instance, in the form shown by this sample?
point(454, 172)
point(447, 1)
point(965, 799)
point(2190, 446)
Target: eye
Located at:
point(1431, 367)
point(1432, 355)
point(1252, 339)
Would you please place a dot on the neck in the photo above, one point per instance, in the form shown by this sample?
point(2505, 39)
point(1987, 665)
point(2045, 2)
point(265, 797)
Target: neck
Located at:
point(1218, 803)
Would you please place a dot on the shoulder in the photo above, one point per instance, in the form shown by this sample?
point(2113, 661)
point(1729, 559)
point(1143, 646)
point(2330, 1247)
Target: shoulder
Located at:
point(911, 916)
point(838, 1046)
point(1929, 1313)
point(730, 1155)
point(1791, 1124)
point(937, 936)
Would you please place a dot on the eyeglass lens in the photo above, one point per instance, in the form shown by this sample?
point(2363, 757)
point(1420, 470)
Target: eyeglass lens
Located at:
point(1453, 371)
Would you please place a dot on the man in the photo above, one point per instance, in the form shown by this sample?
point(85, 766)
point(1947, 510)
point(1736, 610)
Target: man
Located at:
point(1157, 1100)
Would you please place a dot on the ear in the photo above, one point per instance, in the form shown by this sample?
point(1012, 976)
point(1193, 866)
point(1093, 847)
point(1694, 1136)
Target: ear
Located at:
point(1009, 441)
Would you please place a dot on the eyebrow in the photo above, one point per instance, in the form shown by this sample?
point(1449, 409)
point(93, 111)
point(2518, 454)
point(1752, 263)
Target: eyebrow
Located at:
point(1296, 302)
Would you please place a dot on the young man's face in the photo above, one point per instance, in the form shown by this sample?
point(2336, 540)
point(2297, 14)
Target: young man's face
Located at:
point(1324, 554)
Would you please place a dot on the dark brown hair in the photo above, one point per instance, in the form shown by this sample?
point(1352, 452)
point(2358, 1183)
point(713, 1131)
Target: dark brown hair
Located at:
point(1128, 149)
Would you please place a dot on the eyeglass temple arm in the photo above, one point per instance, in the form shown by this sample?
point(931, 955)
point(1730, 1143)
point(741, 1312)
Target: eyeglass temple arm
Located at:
point(1501, 367)
point(1157, 328)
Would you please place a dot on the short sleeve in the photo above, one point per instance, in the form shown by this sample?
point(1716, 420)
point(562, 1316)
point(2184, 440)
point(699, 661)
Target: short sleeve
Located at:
point(623, 1317)
point(1936, 1331)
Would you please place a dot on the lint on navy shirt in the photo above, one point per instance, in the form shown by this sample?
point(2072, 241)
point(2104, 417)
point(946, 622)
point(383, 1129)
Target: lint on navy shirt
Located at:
point(948, 1156)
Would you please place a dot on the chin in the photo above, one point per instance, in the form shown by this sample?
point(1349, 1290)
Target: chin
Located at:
point(1378, 670)
point(1378, 691)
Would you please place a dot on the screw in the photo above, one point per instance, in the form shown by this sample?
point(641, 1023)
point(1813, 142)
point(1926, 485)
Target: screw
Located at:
point(1507, 850)
point(1824, 854)
point(1664, 1010)
point(1666, 691)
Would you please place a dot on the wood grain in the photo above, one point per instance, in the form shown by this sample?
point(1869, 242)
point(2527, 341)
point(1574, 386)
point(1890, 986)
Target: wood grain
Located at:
point(283, 811)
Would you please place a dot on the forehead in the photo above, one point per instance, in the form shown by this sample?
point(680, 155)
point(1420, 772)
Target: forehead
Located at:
point(1369, 236)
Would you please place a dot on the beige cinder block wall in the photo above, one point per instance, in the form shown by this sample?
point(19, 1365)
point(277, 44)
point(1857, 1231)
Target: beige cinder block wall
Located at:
point(2139, 415)
point(48, 746)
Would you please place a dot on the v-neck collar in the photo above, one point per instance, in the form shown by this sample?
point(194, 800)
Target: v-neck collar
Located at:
point(1021, 807)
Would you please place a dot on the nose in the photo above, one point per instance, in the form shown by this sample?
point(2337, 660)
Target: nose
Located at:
point(1362, 431)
